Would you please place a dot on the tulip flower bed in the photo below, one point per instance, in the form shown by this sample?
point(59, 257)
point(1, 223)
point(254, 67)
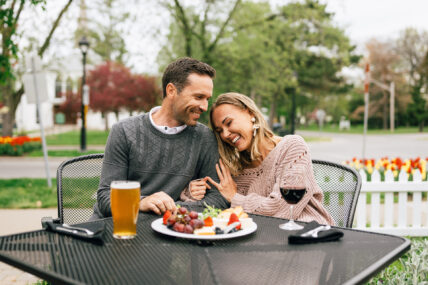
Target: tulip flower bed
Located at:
point(17, 146)
point(396, 165)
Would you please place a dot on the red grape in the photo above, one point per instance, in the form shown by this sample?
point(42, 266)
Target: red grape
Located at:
point(188, 229)
point(193, 215)
point(178, 227)
point(171, 220)
point(182, 210)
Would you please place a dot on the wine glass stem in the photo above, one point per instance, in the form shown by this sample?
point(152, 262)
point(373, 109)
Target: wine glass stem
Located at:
point(291, 213)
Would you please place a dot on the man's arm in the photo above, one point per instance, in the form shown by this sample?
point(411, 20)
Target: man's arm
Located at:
point(115, 167)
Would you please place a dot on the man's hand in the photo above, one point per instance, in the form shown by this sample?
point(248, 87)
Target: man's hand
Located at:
point(158, 202)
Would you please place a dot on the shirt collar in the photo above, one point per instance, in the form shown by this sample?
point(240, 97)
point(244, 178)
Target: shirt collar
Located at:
point(165, 129)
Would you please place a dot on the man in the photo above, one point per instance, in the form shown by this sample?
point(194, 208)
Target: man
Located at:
point(167, 148)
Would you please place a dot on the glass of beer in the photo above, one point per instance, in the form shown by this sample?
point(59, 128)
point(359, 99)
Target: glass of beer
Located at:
point(124, 199)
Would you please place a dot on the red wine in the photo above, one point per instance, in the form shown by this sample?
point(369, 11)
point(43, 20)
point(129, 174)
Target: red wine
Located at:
point(292, 196)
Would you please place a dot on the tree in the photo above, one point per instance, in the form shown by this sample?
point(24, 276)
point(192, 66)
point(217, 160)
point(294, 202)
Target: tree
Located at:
point(412, 46)
point(71, 106)
point(10, 13)
point(105, 30)
point(113, 87)
point(297, 51)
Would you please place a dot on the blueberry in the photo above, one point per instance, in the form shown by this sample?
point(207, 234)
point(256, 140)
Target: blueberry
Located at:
point(218, 231)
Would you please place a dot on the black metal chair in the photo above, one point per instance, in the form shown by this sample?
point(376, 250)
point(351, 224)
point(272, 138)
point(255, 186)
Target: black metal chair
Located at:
point(77, 183)
point(341, 186)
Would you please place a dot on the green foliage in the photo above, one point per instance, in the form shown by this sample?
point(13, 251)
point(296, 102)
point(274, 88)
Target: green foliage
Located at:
point(411, 268)
point(8, 24)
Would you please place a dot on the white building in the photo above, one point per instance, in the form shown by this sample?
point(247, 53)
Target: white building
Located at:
point(62, 77)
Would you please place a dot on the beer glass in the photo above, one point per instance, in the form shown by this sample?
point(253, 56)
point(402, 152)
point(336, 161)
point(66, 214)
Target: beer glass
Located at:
point(124, 199)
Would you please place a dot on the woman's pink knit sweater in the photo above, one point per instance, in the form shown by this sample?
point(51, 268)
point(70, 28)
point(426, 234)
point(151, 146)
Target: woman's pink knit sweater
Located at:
point(258, 188)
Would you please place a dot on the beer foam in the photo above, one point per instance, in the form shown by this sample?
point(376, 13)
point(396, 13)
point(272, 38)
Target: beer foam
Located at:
point(125, 184)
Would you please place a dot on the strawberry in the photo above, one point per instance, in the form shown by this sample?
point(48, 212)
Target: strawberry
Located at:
point(166, 216)
point(234, 218)
point(208, 222)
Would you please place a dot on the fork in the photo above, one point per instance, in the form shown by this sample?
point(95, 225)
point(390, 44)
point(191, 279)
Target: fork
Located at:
point(89, 232)
point(321, 229)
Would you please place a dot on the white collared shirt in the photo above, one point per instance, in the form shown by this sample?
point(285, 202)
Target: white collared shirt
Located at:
point(165, 129)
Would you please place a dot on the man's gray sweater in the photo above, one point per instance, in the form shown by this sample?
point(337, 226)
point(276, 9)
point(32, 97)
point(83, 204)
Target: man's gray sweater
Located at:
point(137, 151)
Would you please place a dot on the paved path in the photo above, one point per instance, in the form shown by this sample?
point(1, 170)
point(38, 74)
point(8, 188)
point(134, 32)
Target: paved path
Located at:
point(342, 147)
point(15, 221)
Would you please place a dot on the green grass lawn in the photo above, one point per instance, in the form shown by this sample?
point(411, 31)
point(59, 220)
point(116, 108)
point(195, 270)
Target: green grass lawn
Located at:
point(359, 129)
point(25, 193)
point(73, 138)
point(62, 153)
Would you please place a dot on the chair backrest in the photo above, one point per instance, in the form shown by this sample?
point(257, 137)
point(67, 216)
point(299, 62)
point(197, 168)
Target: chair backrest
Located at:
point(77, 183)
point(341, 187)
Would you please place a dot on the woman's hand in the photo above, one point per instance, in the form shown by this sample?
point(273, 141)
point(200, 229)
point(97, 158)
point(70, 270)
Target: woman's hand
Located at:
point(198, 187)
point(227, 185)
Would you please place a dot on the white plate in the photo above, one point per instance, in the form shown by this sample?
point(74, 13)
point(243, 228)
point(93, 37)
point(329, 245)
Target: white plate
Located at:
point(158, 226)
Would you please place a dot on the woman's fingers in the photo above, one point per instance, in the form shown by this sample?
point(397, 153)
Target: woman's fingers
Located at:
point(219, 173)
point(218, 186)
point(225, 171)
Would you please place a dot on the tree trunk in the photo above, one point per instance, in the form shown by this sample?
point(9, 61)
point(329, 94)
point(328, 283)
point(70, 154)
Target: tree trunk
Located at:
point(105, 115)
point(272, 111)
point(421, 126)
point(385, 111)
point(11, 100)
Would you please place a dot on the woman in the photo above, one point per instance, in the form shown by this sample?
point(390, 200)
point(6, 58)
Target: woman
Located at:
point(255, 163)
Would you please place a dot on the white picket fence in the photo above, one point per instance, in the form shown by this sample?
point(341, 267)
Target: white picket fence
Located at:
point(406, 217)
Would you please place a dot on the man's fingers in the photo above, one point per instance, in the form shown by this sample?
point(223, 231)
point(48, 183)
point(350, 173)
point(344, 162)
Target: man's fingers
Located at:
point(160, 204)
point(154, 208)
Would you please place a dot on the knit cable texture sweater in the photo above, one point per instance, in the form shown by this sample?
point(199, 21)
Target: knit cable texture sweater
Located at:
point(258, 188)
point(136, 150)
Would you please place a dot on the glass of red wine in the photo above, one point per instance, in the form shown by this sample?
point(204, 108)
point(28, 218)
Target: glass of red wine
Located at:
point(292, 191)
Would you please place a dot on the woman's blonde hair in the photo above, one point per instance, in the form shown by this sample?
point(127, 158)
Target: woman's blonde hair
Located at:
point(235, 160)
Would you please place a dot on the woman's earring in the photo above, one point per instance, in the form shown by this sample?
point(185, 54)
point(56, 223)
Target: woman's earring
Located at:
point(255, 127)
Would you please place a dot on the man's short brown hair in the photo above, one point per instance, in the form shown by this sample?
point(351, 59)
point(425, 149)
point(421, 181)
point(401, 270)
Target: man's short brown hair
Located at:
point(178, 71)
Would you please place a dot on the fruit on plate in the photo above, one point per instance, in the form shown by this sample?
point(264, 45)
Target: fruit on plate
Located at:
point(208, 222)
point(183, 221)
point(234, 218)
point(166, 216)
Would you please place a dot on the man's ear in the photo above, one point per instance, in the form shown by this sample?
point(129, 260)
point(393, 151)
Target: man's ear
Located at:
point(171, 90)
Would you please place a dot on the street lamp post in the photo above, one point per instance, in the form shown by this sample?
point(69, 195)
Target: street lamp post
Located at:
point(84, 46)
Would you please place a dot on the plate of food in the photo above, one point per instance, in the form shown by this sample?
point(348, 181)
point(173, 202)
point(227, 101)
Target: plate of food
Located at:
point(212, 224)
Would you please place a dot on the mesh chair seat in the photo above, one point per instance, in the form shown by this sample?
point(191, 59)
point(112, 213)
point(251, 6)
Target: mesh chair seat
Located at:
point(77, 184)
point(341, 187)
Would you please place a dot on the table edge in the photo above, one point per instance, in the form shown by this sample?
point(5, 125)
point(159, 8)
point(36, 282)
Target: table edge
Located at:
point(380, 264)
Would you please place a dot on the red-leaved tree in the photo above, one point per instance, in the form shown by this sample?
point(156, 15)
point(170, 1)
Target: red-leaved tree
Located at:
point(113, 88)
point(71, 107)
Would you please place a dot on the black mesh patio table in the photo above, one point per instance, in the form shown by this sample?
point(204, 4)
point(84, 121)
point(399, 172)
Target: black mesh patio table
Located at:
point(263, 257)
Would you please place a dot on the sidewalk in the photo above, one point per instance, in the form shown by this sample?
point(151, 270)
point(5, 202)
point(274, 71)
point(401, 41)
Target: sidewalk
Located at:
point(15, 221)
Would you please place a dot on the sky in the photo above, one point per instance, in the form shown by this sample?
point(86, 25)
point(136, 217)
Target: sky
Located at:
point(380, 19)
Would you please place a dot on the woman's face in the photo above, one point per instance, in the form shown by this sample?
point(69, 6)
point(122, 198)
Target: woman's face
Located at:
point(233, 125)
